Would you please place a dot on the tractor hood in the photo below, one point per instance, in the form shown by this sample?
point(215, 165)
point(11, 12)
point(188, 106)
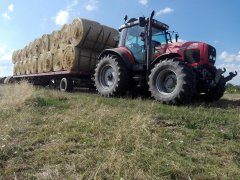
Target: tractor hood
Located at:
point(178, 47)
point(195, 53)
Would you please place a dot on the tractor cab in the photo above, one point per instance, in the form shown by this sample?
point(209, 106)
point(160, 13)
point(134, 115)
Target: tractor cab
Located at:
point(142, 36)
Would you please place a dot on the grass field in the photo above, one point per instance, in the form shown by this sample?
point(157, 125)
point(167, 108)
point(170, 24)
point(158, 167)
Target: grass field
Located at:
point(46, 134)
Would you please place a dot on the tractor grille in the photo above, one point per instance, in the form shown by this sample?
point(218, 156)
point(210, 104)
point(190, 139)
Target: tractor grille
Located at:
point(211, 54)
point(192, 55)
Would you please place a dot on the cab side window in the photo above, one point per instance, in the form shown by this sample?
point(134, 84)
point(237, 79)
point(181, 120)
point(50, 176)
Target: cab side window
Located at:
point(134, 42)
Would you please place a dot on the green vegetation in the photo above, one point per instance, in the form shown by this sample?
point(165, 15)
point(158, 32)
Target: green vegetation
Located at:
point(46, 134)
point(233, 89)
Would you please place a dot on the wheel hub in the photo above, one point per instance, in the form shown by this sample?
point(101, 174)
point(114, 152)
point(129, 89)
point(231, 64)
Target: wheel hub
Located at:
point(166, 82)
point(107, 75)
point(170, 83)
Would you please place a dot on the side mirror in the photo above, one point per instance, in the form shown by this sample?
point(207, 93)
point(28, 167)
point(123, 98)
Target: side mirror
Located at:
point(176, 37)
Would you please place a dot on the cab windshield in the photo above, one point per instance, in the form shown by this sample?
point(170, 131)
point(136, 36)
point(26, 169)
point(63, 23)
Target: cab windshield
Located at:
point(135, 43)
point(159, 36)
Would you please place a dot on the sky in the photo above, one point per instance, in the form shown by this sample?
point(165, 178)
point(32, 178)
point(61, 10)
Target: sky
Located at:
point(212, 21)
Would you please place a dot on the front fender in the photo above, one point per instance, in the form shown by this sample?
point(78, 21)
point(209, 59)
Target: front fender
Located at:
point(123, 53)
point(163, 57)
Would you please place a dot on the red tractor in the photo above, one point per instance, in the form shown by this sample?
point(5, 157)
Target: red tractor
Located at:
point(175, 73)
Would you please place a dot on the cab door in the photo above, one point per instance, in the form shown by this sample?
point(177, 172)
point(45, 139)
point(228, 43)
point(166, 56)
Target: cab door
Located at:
point(134, 43)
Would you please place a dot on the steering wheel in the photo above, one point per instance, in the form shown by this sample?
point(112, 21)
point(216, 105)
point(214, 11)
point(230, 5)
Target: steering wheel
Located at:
point(135, 48)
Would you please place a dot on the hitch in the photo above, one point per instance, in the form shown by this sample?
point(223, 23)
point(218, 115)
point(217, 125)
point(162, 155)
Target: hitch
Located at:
point(219, 74)
point(230, 76)
point(222, 71)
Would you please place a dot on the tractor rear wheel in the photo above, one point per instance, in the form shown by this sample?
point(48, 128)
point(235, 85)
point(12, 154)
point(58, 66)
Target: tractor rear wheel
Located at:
point(215, 93)
point(111, 76)
point(172, 82)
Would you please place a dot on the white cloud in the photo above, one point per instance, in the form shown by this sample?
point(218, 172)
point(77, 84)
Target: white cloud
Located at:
point(92, 5)
point(6, 16)
point(5, 53)
point(166, 10)
point(3, 68)
point(62, 17)
point(10, 8)
point(179, 40)
point(232, 67)
point(6, 70)
point(143, 2)
point(225, 56)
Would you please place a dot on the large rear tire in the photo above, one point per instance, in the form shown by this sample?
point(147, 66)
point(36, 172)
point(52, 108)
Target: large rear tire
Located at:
point(111, 76)
point(172, 82)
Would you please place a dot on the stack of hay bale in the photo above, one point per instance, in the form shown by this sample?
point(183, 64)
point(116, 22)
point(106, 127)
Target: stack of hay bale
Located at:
point(75, 47)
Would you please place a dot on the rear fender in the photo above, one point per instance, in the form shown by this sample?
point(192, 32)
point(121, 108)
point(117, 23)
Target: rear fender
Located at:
point(122, 53)
point(162, 58)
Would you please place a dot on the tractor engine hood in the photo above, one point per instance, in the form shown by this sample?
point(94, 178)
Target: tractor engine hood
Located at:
point(178, 47)
point(195, 53)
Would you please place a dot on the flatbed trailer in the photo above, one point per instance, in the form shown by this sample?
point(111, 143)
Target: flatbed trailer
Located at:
point(64, 80)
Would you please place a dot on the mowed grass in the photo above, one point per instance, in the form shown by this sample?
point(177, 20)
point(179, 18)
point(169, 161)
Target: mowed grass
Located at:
point(46, 134)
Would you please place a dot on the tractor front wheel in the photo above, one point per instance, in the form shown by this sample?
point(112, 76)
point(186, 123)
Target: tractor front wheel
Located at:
point(172, 82)
point(215, 93)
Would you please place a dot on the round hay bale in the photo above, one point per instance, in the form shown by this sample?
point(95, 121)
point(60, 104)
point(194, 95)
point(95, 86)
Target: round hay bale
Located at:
point(108, 37)
point(45, 43)
point(57, 60)
point(54, 41)
point(24, 53)
point(84, 33)
point(22, 67)
point(15, 56)
point(47, 62)
point(34, 65)
point(29, 49)
point(36, 47)
point(17, 68)
point(28, 65)
point(40, 62)
point(65, 36)
point(78, 59)
point(19, 55)
point(39, 46)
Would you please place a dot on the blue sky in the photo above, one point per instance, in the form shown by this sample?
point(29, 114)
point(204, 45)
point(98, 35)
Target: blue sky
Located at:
point(212, 21)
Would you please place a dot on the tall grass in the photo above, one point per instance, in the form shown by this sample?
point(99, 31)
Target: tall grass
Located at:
point(55, 135)
point(15, 95)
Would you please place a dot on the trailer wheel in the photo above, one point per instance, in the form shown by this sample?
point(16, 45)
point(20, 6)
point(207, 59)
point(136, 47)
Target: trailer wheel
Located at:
point(172, 82)
point(66, 85)
point(2, 80)
point(9, 80)
point(111, 76)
